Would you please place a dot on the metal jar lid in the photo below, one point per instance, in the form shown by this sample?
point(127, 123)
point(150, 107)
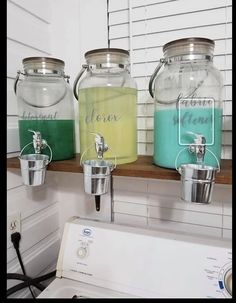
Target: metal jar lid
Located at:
point(106, 50)
point(107, 56)
point(43, 64)
point(189, 46)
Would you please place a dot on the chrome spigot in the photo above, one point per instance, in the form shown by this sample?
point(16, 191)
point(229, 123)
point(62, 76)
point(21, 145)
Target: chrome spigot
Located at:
point(100, 145)
point(38, 142)
point(199, 147)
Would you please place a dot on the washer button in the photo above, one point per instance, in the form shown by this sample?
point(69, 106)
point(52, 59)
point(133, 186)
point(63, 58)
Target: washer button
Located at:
point(82, 252)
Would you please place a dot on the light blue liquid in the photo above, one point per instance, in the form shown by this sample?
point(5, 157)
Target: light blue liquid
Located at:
point(167, 131)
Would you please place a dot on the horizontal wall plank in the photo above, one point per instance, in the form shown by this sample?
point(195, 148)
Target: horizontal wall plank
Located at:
point(130, 208)
point(191, 217)
point(173, 201)
point(130, 196)
point(173, 23)
point(164, 9)
point(24, 28)
point(16, 52)
point(186, 228)
point(130, 220)
point(124, 184)
point(38, 8)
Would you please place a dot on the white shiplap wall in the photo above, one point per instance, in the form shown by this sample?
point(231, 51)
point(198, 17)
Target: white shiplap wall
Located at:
point(144, 26)
point(28, 34)
point(156, 204)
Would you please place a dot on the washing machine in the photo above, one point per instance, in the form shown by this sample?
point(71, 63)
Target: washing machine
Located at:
point(108, 260)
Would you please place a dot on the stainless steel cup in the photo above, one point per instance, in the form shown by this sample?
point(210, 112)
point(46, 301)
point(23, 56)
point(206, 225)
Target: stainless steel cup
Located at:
point(197, 182)
point(97, 175)
point(33, 168)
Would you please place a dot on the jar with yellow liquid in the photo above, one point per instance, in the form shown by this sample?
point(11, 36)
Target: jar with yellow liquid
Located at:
point(107, 98)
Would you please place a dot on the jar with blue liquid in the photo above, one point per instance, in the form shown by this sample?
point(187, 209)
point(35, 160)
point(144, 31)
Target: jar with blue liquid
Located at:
point(187, 90)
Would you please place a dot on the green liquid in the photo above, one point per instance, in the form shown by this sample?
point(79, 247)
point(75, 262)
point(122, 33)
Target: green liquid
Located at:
point(59, 135)
point(166, 135)
point(111, 112)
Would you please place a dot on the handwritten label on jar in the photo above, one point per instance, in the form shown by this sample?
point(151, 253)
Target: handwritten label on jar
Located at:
point(95, 116)
point(194, 102)
point(196, 115)
point(32, 116)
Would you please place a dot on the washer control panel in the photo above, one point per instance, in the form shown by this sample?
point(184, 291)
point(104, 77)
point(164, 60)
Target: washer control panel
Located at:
point(144, 262)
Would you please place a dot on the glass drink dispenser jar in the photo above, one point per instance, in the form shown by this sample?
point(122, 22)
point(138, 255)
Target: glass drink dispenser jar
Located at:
point(107, 105)
point(187, 91)
point(45, 104)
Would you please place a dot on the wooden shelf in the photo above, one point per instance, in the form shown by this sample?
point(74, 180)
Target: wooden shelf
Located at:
point(142, 168)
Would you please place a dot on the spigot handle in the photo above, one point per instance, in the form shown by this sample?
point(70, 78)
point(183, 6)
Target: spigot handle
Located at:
point(36, 134)
point(199, 138)
point(100, 145)
point(38, 142)
point(198, 147)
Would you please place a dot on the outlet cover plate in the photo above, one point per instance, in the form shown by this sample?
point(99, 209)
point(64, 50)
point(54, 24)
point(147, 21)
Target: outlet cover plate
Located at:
point(13, 225)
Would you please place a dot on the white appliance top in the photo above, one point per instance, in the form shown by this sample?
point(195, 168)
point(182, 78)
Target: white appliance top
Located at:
point(145, 263)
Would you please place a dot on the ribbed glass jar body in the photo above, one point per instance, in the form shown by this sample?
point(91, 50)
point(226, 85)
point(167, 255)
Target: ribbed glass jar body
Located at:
point(45, 104)
point(188, 102)
point(107, 98)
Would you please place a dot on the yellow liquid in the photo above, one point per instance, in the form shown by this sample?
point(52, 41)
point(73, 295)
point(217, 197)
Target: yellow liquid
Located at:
point(111, 112)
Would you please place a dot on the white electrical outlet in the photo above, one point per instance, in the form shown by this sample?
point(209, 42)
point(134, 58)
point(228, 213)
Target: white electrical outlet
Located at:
point(13, 225)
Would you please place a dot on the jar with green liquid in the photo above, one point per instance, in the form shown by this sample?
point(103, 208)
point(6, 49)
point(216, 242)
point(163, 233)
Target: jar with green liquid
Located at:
point(187, 91)
point(107, 98)
point(45, 104)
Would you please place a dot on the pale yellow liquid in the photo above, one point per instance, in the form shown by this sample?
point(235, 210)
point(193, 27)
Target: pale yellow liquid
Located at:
point(111, 112)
